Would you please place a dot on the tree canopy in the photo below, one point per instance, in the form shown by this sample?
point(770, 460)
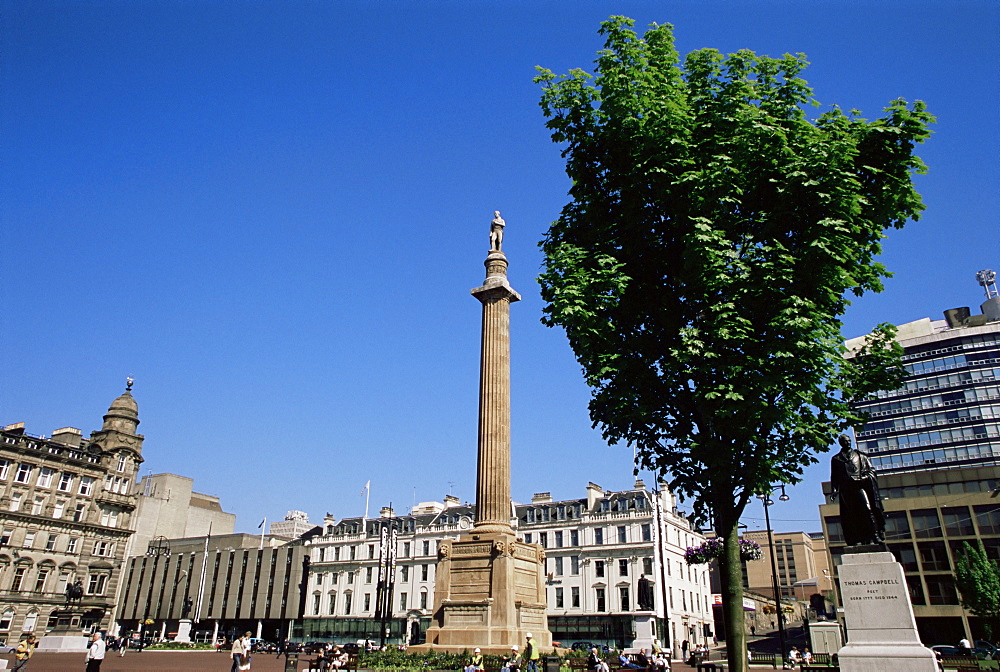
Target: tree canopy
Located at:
point(703, 263)
point(978, 581)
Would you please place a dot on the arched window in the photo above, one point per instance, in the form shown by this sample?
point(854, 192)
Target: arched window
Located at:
point(29, 621)
point(5, 619)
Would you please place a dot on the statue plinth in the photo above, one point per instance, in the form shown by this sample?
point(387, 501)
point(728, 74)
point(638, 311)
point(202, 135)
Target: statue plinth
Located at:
point(183, 631)
point(67, 636)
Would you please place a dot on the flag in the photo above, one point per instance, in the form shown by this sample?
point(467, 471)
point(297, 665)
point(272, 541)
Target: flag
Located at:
point(368, 486)
point(261, 526)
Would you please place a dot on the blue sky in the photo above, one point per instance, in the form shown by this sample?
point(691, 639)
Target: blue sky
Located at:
point(270, 214)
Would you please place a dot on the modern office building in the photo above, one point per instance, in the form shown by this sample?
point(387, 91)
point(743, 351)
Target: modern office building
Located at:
point(597, 549)
point(935, 442)
point(295, 524)
point(67, 504)
point(235, 583)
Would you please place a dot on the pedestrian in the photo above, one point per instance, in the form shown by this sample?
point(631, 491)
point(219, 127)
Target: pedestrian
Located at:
point(25, 649)
point(753, 630)
point(95, 654)
point(684, 649)
point(241, 654)
point(531, 654)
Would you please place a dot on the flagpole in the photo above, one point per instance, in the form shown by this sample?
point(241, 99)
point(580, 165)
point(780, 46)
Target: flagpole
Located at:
point(201, 580)
point(263, 525)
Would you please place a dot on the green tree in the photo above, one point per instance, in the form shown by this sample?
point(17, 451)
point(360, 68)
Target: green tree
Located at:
point(701, 266)
point(978, 580)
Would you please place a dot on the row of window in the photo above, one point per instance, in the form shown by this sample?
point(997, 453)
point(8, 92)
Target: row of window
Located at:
point(104, 549)
point(22, 581)
point(925, 523)
point(955, 435)
point(977, 451)
point(563, 538)
point(327, 554)
point(46, 476)
point(348, 602)
point(334, 577)
point(986, 411)
point(545, 514)
point(18, 503)
point(968, 395)
point(965, 343)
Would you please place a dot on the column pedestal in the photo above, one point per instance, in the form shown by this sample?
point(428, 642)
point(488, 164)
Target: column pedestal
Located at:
point(67, 636)
point(645, 631)
point(184, 631)
point(881, 630)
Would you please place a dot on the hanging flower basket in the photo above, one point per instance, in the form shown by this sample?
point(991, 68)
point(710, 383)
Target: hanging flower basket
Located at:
point(713, 548)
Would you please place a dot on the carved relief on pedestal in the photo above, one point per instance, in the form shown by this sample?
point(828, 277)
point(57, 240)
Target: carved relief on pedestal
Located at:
point(444, 550)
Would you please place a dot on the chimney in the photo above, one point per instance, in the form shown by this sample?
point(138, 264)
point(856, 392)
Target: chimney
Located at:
point(594, 494)
point(70, 436)
point(450, 501)
point(639, 484)
point(16, 428)
point(385, 512)
point(541, 498)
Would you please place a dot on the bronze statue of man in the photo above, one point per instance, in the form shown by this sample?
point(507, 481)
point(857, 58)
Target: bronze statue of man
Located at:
point(852, 478)
point(646, 600)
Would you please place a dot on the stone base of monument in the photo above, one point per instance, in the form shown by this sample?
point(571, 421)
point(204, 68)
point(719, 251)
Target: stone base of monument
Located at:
point(67, 636)
point(489, 592)
point(881, 631)
point(184, 631)
point(645, 631)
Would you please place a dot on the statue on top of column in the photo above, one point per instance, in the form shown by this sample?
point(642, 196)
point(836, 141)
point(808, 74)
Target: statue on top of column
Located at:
point(496, 231)
point(852, 478)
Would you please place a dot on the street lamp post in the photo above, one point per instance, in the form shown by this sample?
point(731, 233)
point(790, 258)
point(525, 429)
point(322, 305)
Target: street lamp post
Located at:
point(768, 502)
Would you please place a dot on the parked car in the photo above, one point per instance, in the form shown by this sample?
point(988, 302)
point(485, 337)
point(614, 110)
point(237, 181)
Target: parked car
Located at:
point(980, 644)
point(351, 647)
point(7, 648)
point(582, 646)
point(313, 647)
point(945, 651)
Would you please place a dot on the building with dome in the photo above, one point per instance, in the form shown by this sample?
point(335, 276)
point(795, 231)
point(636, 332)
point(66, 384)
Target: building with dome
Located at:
point(67, 503)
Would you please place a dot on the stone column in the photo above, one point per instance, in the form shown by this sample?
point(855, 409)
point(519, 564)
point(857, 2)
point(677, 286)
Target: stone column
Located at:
point(493, 470)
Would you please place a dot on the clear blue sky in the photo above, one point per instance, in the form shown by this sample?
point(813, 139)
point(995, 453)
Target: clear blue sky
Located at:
point(271, 214)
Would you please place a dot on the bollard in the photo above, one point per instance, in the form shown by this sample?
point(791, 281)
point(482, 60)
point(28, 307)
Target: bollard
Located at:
point(291, 662)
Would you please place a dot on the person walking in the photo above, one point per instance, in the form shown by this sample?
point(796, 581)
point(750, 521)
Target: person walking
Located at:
point(241, 653)
point(95, 654)
point(122, 646)
point(531, 654)
point(25, 649)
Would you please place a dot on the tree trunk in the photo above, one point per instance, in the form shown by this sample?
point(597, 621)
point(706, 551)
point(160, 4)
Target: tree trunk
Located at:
point(731, 576)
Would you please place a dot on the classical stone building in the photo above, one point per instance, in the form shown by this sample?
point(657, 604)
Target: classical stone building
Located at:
point(597, 548)
point(66, 505)
point(802, 564)
point(295, 524)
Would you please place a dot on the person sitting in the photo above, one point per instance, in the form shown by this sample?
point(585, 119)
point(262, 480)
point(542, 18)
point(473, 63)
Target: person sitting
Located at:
point(510, 663)
point(626, 664)
point(642, 660)
point(593, 660)
point(476, 662)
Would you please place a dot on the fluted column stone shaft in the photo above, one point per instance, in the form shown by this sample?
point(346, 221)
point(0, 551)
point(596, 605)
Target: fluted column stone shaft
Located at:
point(493, 470)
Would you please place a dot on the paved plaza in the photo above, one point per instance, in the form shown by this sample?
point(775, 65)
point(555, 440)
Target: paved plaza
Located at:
point(175, 661)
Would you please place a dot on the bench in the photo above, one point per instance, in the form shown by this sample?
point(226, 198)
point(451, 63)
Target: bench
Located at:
point(960, 664)
point(577, 664)
point(324, 663)
point(762, 658)
point(812, 667)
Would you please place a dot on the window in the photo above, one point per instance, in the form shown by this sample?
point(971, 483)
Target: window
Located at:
point(23, 473)
point(559, 566)
point(57, 511)
point(65, 482)
point(574, 564)
point(406, 549)
point(79, 512)
point(933, 556)
point(623, 567)
point(5, 537)
point(29, 540)
point(647, 532)
point(350, 578)
point(647, 564)
point(402, 602)
point(316, 599)
point(423, 572)
point(36, 506)
point(598, 536)
point(71, 545)
point(336, 553)
point(30, 620)
point(427, 548)
point(599, 568)
point(50, 543)
point(622, 534)
point(925, 523)
point(86, 486)
point(4, 470)
point(15, 501)
point(574, 537)
point(559, 598)
point(423, 599)
point(623, 596)
point(527, 537)
point(322, 555)
point(543, 539)
point(45, 477)
point(941, 589)
point(354, 552)
point(347, 602)
point(958, 521)
point(404, 573)
point(109, 518)
point(559, 539)
point(601, 601)
point(15, 585)
point(574, 596)
point(368, 601)
point(333, 578)
point(122, 462)
point(5, 619)
point(988, 519)
point(905, 556)
point(371, 554)
point(368, 578)
point(333, 603)
point(105, 549)
point(670, 592)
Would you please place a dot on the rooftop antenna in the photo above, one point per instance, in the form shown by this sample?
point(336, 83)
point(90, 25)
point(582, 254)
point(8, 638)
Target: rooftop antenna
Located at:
point(987, 279)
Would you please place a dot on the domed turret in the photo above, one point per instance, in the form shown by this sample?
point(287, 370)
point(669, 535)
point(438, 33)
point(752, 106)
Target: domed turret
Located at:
point(123, 415)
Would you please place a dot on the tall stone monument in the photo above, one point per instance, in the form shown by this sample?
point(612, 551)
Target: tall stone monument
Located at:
point(490, 587)
point(881, 630)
